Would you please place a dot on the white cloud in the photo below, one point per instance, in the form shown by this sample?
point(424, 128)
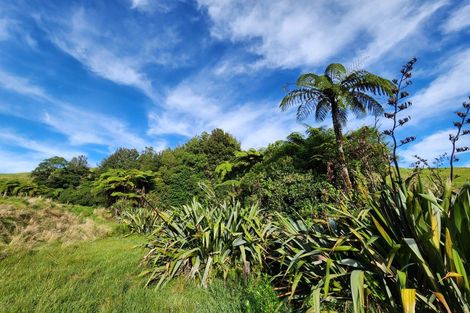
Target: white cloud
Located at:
point(458, 19)
point(431, 147)
point(136, 4)
point(79, 126)
point(84, 41)
point(14, 163)
point(83, 127)
point(21, 85)
point(9, 138)
point(118, 52)
point(190, 108)
point(445, 93)
point(152, 5)
point(298, 33)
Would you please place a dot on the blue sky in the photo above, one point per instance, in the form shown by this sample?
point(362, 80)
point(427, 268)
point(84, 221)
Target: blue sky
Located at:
point(86, 77)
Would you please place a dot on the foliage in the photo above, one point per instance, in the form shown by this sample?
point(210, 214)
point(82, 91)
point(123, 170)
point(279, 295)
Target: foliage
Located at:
point(241, 163)
point(367, 155)
point(140, 220)
point(149, 160)
point(413, 240)
point(399, 241)
point(296, 175)
point(84, 194)
point(337, 91)
point(281, 189)
point(122, 158)
point(58, 173)
point(204, 240)
point(15, 187)
point(129, 184)
point(460, 132)
point(217, 146)
point(178, 178)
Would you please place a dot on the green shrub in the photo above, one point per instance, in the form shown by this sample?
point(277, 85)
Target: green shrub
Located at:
point(405, 241)
point(85, 195)
point(130, 184)
point(204, 240)
point(140, 220)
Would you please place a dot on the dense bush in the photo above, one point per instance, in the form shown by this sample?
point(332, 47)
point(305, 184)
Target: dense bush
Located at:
point(283, 190)
point(403, 249)
point(131, 184)
point(58, 173)
point(203, 240)
point(84, 194)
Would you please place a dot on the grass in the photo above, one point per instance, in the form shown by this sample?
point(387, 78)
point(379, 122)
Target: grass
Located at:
point(461, 174)
point(18, 176)
point(103, 276)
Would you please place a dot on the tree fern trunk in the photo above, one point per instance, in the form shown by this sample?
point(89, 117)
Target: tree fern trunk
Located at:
point(339, 145)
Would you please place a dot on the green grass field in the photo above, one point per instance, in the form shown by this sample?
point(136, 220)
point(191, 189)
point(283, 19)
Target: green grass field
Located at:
point(462, 174)
point(103, 276)
point(19, 176)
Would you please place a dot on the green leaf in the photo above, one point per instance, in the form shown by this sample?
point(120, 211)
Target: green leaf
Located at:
point(357, 291)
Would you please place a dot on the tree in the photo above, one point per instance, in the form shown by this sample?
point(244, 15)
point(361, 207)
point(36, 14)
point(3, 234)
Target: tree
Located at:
point(120, 183)
point(47, 172)
point(218, 146)
point(149, 160)
point(78, 168)
point(122, 158)
point(337, 92)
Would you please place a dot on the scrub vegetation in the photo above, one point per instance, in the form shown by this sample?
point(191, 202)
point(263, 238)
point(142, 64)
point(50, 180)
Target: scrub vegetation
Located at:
point(322, 221)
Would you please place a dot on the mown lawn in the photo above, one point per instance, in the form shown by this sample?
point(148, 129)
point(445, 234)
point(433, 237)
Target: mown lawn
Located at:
point(103, 276)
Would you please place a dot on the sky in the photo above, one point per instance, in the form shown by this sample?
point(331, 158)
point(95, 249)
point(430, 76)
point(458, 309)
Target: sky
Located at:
point(87, 77)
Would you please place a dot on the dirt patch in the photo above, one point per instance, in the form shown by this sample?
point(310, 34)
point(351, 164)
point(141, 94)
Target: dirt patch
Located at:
point(29, 226)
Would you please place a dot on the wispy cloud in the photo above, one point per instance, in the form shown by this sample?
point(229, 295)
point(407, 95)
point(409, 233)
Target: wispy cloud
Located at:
point(122, 60)
point(445, 93)
point(21, 85)
point(458, 19)
point(291, 34)
point(83, 41)
point(79, 126)
point(5, 25)
point(191, 108)
point(431, 147)
point(10, 138)
point(17, 163)
point(152, 5)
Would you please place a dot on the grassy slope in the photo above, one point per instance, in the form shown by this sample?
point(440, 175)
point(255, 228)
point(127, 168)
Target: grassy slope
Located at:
point(19, 176)
point(102, 276)
point(462, 174)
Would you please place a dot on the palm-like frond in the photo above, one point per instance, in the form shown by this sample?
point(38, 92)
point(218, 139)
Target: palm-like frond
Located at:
point(308, 80)
point(369, 103)
point(322, 110)
point(296, 138)
point(305, 109)
point(343, 116)
point(300, 96)
point(361, 80)
point(351, 90)
point(335, 72)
